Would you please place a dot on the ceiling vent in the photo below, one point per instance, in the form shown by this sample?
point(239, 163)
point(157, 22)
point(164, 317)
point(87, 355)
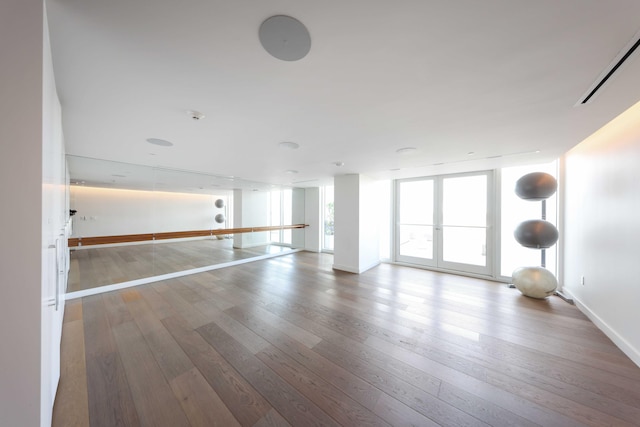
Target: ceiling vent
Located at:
point(608, 73)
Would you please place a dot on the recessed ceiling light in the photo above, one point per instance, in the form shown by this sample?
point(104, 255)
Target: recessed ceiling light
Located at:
point(471, 153)
point(291, 171)
point(338, 164)
point(119, 176)
point(288, 145)
point(405, 150)
point(160, 142)
point(394, 170)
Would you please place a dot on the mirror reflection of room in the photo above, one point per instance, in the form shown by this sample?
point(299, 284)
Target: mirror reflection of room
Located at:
point(145, 222)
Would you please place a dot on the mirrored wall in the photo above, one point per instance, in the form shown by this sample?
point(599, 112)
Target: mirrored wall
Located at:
point(133, 222)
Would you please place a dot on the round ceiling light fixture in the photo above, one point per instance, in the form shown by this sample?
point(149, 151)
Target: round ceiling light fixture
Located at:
point(291, 171)
point(160, 142)
point(285, 38)
point(288, 145)
point(338, 164)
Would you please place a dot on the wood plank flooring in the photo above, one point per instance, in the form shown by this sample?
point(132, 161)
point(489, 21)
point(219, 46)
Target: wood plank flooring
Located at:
point(290, 342)
point(99, 266)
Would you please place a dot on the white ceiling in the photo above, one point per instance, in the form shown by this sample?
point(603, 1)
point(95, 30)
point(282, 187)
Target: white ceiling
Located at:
point(449, 77)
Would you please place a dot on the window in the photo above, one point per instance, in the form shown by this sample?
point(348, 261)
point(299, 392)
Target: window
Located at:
point(443, 222)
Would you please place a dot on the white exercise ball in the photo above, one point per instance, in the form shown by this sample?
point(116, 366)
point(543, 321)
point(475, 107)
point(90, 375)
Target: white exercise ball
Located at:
point(534, 282)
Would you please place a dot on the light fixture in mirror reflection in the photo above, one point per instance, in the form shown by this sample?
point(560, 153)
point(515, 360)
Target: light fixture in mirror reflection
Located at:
point(122, 201)
point(103, 173)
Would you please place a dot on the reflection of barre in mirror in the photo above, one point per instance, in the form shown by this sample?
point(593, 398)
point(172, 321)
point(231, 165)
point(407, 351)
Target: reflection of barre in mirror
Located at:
point(127, 238)
point(536, 282)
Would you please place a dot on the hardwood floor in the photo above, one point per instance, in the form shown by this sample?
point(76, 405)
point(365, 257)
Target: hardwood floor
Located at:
point(289, 341)
point(99, 266)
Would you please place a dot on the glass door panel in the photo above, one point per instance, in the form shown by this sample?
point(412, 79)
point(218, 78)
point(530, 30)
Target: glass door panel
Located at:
point(464, 223)
point(416, 226)
point(416, 241)
point(464, 200)
point(464, 245)
point(443, 222)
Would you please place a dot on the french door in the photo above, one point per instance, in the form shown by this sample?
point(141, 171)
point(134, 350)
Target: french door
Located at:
point(443, 222)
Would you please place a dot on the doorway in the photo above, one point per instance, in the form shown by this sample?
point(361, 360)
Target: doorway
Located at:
point(443, 222)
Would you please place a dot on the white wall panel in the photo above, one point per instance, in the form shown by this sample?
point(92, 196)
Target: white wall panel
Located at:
point(602, 229)
point(109, 212)
point(32, 187)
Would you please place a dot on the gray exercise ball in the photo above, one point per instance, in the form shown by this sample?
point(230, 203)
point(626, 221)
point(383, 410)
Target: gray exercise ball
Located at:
point(536, 186)
point(219, 218)
point(534, 282)
point(219, 203)
point(536, 233)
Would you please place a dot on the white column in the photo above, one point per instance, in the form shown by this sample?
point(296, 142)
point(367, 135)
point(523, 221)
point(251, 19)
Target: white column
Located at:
point(356, 244)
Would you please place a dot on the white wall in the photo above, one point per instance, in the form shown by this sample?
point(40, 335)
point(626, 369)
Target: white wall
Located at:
point(110, 212)
point(602, 229)
point(55, 253)
point(369, 224)
point(346, 197)
point(313, 217)
point(250, 209)
point(356, 245)
point(24, 107)
point(298, 217)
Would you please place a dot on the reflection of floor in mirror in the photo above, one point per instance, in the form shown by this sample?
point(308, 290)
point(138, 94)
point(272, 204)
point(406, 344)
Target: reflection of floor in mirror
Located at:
point(94, 267)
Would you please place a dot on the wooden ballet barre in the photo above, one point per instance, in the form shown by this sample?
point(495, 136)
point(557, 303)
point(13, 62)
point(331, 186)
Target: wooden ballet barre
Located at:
point(128, 238)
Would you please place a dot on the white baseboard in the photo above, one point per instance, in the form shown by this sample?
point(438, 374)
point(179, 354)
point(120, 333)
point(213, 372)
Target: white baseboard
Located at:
point(252, 245)
point(345, 268)
point(370, 266)
point(354, 269)
point(138, 282)
point(626, 347)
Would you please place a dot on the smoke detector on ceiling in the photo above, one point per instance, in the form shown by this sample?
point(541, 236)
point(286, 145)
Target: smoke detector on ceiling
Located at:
point(195, 115)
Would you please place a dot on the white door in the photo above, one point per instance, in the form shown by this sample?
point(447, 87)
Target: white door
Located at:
point(444, 222)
